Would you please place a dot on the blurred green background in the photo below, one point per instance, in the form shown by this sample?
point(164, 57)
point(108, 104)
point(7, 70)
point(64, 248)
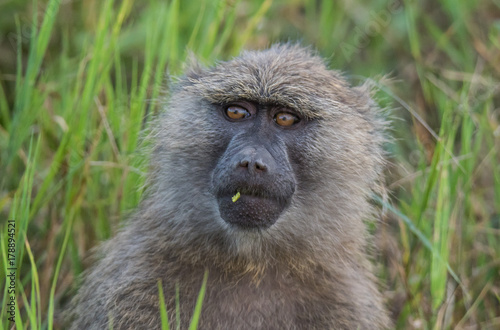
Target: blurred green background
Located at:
point(79, 81)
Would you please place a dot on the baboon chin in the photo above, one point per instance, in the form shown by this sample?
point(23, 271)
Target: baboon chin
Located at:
point(261, 175)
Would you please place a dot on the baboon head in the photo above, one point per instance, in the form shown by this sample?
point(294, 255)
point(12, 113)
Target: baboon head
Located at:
point(291, 141)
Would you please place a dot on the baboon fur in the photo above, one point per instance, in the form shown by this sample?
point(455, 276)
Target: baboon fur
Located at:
point(310, 270)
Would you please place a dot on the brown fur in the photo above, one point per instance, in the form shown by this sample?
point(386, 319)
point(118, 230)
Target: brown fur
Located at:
point(307, 271)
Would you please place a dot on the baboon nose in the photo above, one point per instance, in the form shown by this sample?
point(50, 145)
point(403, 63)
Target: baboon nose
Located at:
point(253, 164)
point(254, 160)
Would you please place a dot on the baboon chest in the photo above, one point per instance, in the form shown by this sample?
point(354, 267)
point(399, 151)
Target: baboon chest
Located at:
point(250, 305)
point(242, 302)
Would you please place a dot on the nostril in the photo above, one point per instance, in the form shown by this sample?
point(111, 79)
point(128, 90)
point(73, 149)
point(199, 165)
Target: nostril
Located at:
point(259, 165)
point(244, 163)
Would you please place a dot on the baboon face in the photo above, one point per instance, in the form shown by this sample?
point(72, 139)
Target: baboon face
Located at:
point(299, 145)
point(255, 163)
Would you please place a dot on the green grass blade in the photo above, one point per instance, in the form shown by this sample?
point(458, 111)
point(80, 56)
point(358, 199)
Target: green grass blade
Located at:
point(24, 114)
point(163, 308)
point(197, 310)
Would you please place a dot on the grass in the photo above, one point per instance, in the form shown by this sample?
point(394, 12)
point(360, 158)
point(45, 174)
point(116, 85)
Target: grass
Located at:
point(80, 80)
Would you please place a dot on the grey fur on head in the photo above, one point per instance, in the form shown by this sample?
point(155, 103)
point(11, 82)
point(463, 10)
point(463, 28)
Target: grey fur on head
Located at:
point(309, 269)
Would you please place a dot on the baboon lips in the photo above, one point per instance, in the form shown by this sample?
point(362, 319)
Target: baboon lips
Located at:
point(250, 211)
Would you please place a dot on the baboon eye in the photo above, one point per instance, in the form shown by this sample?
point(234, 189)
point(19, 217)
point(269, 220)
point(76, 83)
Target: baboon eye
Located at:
point(236, 112)
point(286, 119)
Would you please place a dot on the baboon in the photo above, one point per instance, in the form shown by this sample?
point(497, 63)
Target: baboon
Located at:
point(261, 175)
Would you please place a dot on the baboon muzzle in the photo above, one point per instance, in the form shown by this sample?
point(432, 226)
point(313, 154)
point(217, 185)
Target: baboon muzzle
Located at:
point(262, 183)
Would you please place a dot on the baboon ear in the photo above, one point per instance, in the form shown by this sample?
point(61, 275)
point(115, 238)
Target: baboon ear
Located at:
point(193, 68)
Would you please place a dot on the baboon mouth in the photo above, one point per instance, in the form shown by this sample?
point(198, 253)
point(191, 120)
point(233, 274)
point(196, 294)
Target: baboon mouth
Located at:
point(252, 193)
point(253, 197)
point(251, 209)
